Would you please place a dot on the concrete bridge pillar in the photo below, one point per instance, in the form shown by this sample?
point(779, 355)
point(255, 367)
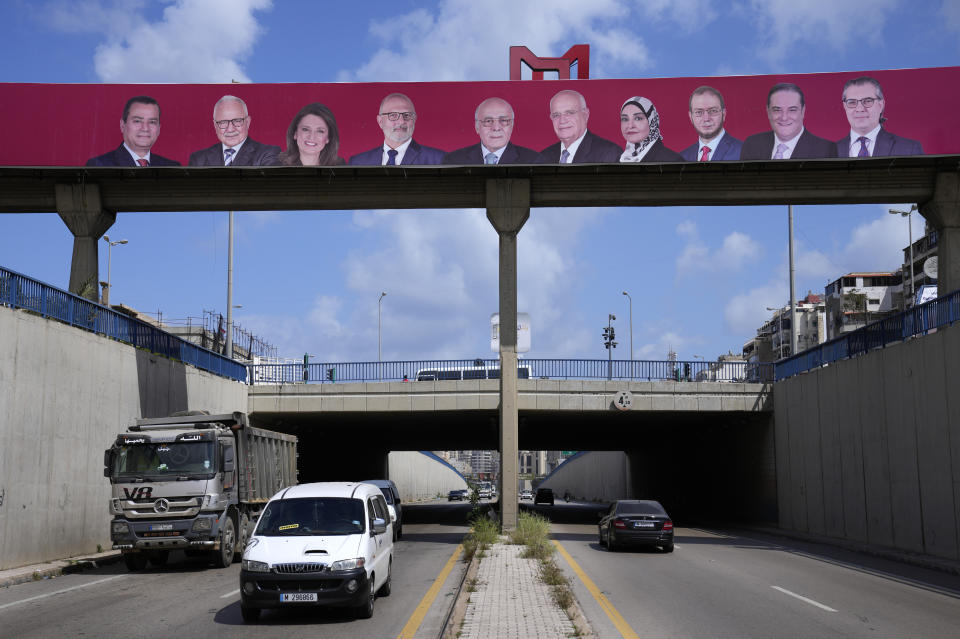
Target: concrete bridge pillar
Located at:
point(79, 208)
point(508, 208)
point(943, 211)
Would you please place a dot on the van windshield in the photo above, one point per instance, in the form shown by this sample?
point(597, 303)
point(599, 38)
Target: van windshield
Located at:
point(312, 516)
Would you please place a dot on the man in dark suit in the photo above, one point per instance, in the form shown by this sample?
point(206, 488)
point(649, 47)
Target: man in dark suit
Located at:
point(494, 122)
point(140, 127)
point(577, 145)
point(864, 105)
point(708, 112)
point(397, 118)
point(788, 139)
point(231, 122)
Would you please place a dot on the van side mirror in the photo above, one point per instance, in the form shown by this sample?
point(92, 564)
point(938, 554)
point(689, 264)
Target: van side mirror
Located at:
point(379, 526)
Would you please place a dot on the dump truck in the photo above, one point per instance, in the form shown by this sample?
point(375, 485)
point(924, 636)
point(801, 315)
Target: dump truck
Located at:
point(194, 482)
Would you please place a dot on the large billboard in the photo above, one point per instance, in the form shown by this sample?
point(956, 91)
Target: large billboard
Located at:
point(823, 115)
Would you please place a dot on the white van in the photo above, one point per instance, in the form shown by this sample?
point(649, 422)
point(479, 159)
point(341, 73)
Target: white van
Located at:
point(323, 544)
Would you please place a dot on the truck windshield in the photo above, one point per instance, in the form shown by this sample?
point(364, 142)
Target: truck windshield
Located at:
point(312, 516)
point(165, 458)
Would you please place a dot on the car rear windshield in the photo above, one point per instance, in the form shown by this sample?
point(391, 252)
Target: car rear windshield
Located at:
point(312, 516)
point(640, 508)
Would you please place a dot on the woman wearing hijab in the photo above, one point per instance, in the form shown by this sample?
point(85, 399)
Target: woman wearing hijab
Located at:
point(312, 138)
point(640, 126)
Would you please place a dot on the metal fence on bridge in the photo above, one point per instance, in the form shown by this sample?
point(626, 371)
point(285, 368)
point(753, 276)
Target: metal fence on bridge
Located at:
point(467, 369)
point(20, 291)
point(919, 320)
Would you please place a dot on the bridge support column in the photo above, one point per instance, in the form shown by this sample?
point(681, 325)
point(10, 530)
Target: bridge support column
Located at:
point(79, 208)
point(508, 208)
point(943, 211)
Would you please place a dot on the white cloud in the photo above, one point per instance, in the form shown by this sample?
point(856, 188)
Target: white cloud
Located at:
point(736, 251)
point(744, 313)
point(194, 41)
point(470, 41)
point(877, 245)
point(783, 24)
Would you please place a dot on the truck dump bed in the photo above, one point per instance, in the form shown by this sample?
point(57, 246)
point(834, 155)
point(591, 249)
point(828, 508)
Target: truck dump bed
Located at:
point(267, 463)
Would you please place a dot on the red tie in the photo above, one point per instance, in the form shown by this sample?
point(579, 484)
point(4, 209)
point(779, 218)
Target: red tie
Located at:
point(142, 162)
point(705, 154)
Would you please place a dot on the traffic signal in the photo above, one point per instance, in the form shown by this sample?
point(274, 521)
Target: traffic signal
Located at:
point(332, 374)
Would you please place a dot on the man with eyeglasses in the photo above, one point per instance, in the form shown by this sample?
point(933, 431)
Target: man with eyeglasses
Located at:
point(788, 137)
point(231, 123)
point(140, 128)
point(863, 103)
point(577, 145)
point(707, 115)
point(397, 118)
point(494, 122)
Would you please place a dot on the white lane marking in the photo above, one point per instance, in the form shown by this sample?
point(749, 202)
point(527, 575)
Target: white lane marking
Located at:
point(231, 593)
point(59, 592)
point(802, 598)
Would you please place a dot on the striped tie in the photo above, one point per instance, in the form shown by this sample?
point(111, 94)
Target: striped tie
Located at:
point(564, 157)
point(228, 156)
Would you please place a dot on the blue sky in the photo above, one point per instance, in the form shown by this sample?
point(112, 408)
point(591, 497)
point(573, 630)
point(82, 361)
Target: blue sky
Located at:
point(700, 277)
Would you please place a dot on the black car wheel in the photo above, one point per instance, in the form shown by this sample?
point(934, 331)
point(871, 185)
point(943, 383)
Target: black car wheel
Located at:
point(602, 541)
point(365, 610)
point(668, 547)
point(611, 541)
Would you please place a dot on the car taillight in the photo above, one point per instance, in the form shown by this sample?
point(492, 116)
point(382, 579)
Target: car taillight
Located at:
point(668, 525)
point(619, 523)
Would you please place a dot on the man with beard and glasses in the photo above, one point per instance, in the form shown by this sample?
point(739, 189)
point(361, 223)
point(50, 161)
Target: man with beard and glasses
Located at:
point(397, 118)
point(708, 113)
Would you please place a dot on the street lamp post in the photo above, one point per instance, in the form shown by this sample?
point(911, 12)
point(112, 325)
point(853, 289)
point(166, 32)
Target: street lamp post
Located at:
point(909, 216)
point(379, 308)
point(228, 350)
point(110, 245)
point(608, 336)
point(703, 367)
point(631, 324)
point(780, 327)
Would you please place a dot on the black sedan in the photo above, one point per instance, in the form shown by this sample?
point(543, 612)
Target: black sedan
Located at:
point(544, 496)
point(457, 495)
point(637, 522)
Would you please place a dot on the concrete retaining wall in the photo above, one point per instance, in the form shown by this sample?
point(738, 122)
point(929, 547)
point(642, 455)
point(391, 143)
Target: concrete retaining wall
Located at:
point(64, 395)
point(593, 476)
point(868, 449)
point(420, 476)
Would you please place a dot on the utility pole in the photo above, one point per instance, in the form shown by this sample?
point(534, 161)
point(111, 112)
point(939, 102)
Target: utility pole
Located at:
point(608, 337)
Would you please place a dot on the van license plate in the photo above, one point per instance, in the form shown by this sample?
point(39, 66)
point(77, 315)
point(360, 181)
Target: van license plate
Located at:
point(289, 597)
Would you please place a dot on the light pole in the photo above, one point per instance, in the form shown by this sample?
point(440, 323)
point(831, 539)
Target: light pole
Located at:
point(793, 296)
point(110, 245)
point(780, 328)
point(379, 308)
point(229, 343)
point(703, 369)
point(909, 216)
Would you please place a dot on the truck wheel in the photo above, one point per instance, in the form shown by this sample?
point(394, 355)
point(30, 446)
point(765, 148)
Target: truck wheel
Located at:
point(243, 536)
point(224, 557)
point(158, 558)
point(135, 561)
point(250, 615)
point(365, 610)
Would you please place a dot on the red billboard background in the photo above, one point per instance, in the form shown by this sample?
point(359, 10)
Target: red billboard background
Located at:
point(66, 124)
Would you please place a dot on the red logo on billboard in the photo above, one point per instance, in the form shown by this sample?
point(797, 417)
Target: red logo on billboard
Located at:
point(578, 54)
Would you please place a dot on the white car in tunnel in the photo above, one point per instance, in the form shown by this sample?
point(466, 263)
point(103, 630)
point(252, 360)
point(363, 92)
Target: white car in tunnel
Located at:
point(323, 544)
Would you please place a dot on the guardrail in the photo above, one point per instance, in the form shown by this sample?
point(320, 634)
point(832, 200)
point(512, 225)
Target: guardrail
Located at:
point(919, 320)
point(459, 369)
point(20, 291)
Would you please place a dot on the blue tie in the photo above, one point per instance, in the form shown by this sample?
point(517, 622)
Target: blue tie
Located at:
point(392, 159)
point(228, 156)
point(564, 156)
point(490, 158)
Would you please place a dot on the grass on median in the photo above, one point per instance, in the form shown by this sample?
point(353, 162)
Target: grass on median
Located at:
point(533, 531)
point(484, 532)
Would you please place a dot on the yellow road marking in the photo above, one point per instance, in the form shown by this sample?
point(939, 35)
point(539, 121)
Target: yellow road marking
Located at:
point(413, 624)
point(618, 621)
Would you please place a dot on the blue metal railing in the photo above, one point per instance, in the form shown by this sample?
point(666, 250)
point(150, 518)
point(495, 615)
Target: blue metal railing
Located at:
point(465, 369)
point(20, 291)
point(918, 320)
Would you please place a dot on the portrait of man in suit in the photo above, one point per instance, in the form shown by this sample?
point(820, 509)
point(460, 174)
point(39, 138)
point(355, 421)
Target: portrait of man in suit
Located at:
point(864, 105)
point(231, 123)
point(397, 118)
point(140, 128)
point(708, 113)
point(577, 144)
point(788, 138)
point(494, 121)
